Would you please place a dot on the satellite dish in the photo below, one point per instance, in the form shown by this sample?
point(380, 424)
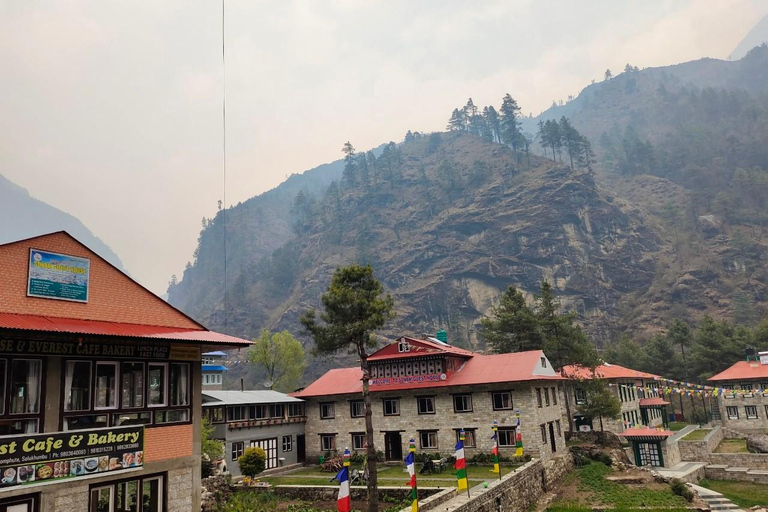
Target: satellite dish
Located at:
point(268, 384)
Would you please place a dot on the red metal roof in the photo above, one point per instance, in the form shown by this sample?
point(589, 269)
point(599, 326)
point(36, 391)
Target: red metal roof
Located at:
point(652, 402)
point(95, 327)
point(743, 370)
point(480, 369)
point(646, 432)
point(418, 348)
point(607, 371)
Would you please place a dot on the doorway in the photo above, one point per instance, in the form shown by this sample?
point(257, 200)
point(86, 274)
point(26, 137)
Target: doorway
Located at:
point(552, 440)
point(301, 449)
point(393, 446)
point(270, 448)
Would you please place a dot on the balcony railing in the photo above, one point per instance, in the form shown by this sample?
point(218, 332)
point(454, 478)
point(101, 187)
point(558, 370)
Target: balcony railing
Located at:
point(265, 422)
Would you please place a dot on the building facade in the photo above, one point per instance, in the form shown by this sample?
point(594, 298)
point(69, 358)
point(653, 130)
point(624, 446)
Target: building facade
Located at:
point(429, 390)
point(100, 395)
point(270, 420)
point(637, 392)
point(213, 370)
point(741, 400)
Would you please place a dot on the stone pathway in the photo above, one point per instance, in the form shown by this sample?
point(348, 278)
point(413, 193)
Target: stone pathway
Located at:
point(680, 470)
point(716, 501)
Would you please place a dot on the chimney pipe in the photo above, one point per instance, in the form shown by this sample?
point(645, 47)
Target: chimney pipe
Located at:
point(242, 385)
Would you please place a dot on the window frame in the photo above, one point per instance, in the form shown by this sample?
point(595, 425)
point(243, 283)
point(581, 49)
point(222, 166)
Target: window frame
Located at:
point(332, 438)
point(116, 369)
point(467, 398)
point(538, 398)
point(746, 412)
point(6, 416)
point(356, 403)
point(141, 480)
point(289, 444)
point(728, 412)
point(543, 428)
point(332, 405)
point(493, 400)
point(580, 396)
point(512, 434)
point(429, 399)
point(554, 395)
point(428, 432)
point(236, 447)
point(360, 435)
point(546, 397)
point(395, 401)
point(91, 387)
point(165, 366)
point(468, 433)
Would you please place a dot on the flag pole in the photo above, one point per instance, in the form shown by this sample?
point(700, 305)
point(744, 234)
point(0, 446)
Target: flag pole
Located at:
point(410, 462)
point(496, 464)
point(462, 437)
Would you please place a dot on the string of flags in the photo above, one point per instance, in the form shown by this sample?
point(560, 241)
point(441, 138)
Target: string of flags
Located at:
point(670, 386)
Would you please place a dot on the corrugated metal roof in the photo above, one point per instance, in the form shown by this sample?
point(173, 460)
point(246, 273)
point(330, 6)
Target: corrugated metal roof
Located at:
point(652, 402)
point(742, 370)
point(95, 327)
point(607, 371)
point(265, 396)
point(480, 369)
point(214, 368)
point(643, 432)
point(215, 353)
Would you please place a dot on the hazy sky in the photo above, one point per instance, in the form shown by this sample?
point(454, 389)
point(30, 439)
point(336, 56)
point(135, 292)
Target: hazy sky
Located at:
point(111, 110)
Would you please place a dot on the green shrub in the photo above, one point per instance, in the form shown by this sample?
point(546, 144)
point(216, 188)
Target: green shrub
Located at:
point(252, 461)
point(602, 457)
point(678, 487)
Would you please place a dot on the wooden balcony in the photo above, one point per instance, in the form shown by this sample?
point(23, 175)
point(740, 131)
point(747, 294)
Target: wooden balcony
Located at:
point(266, 422)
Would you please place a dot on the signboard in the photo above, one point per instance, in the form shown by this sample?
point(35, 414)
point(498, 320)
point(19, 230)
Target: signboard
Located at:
point(118, 348)
point(408, 379)
point(58, 276)
point(53, 457)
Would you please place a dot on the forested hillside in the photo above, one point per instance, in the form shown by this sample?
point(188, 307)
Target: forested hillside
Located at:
point(661, 217)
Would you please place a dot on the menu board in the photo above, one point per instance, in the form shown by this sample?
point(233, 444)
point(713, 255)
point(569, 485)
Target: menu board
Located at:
point(58, 276)
point(46, 458)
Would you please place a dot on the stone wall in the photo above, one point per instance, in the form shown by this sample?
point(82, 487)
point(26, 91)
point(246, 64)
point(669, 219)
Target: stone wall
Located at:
point(181, 490)
point(740, 460)
point(445, 420)
point(757, 425)
point(721, 472)
point(699, 451)
point(515, 492)
point(671, 452)
point(314, 493)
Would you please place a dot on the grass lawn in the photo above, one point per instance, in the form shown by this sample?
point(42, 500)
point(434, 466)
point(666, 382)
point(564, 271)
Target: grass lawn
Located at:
point(591, 488)
point(674, 426)
point(744, 494)
point(732, 446)
point(697, 435)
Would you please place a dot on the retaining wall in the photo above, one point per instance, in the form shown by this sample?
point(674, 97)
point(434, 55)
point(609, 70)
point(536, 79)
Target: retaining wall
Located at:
point(357, 493)
point(721, 472)
point(699, 451)
point(742, 460)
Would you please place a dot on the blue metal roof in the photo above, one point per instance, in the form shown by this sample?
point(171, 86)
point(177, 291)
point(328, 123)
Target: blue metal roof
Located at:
point(214, 368)
point(216, 353)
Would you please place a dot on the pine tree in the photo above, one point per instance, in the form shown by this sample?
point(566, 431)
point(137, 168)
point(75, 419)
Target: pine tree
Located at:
point(349, 164)
point(679, 335)
point(608, 74)
point(512, 326)
point(494, 122)
point(470, 111)
point(626, 353)
point(370, 159)
point(456, 122)
point(662, 357)
point(510, 124)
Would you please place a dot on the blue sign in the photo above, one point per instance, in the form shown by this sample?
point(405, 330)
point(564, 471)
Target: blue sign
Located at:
point(58, 276)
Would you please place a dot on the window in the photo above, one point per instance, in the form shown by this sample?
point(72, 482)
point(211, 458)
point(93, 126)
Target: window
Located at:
point(86, 421)
point(391, 407)
point(557, 425)
point(538, 396)
point(506, 436)
point(158, 373)
point(403, 346)
point(747, 386)
point(133, 385)
point(179, 384)
point(751, 411)
point(426, 404)
point(357, 409)
point(276, 411)
point(543, 362)
point(258, 412)
point(106, 385)
point(295, 410)
point(77, 386)
point(270, 448)
point(469, 437)
point(502, 401)
point(358, 441)
point(462, 403)
point(237, 413)
point(237, 450)
point(428, 439)
point(136, 495)
point(287, 443)
point(208, 360)
point(328, 442)
point(132, 418)
point(732, 412)
point(766, 411)
point(546, 396)
point(554, 396)
point(580, 396)
point(214, 414)
point(327, 411)
point(172, 416)
point(543, 429)
point(25, 386)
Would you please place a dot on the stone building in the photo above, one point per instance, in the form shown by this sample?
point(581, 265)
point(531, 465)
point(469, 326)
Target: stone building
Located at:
point(270, 420)
point(637, 392)
point(213, 370)
point(653, 447)
point(430, 390)
point(100, 395)
point(742, 395)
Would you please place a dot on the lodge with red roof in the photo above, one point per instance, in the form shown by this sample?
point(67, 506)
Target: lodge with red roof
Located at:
point(100, 385)
point(638, 393)
point(742, 394)
point(430, 390)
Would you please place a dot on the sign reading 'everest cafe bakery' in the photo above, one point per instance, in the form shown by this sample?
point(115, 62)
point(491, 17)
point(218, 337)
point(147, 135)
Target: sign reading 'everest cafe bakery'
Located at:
point(58, 276)
point(46, 458)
